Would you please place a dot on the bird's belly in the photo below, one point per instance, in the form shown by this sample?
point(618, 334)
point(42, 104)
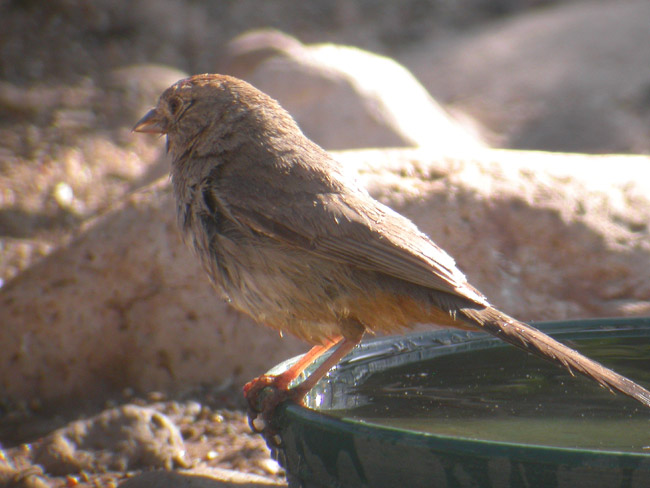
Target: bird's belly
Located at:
point(288, 291)
point(315, 299)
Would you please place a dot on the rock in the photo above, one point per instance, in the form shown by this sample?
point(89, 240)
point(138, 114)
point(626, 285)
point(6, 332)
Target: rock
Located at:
point(544, 236)
point(120, 439)
point(25, 477)
point(572, 77)
point(343, 97)
point(199, 478)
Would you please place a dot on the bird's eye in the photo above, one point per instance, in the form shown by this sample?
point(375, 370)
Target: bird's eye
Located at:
point(175, 105)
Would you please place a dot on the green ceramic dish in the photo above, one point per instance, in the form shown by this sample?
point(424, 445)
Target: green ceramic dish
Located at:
point(457, 409)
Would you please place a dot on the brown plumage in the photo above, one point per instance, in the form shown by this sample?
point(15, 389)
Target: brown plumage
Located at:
point(292, 241)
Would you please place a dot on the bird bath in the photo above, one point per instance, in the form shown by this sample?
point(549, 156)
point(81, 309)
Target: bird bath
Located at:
point(455, 409)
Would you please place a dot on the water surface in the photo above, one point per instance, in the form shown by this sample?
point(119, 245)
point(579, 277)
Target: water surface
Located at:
point(496, 394)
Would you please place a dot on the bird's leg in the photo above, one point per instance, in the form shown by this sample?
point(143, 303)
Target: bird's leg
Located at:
point(265, 392)
point(344, 347)
point(283, 380)
point(262, 401)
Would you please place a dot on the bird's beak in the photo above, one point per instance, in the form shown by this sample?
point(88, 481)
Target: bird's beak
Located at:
point(151, 123)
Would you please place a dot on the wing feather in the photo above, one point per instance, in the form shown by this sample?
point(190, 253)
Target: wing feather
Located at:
point(351, 228)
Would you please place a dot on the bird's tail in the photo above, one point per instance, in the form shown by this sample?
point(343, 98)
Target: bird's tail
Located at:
point(536, 342)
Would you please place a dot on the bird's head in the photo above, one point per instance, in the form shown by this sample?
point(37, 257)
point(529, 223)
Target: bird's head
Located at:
point(206, 114)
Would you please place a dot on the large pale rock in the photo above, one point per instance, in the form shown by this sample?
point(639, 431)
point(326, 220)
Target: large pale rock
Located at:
point(121, 439)
point(572, 77)
point(343, 97)
point(199, 478)
point(545, 236)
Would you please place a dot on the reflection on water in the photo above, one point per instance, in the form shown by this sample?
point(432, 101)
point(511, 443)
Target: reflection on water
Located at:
point(493, 392)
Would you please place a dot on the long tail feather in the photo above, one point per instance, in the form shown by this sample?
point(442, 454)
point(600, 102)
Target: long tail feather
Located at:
point(536, 342)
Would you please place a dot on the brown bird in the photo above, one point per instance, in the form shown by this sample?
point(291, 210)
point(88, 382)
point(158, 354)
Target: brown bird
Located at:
point(299, 246)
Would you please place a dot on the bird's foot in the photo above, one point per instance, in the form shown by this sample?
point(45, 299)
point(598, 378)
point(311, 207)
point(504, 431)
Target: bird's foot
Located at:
point(263, 395)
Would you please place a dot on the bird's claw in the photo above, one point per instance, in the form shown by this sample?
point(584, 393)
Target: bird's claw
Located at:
point(263, 397)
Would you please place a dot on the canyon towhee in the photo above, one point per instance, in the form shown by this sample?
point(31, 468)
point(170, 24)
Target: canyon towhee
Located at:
point(294, 243)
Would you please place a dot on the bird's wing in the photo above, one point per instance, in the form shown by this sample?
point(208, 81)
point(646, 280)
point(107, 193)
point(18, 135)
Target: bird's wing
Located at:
point(349, 227)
